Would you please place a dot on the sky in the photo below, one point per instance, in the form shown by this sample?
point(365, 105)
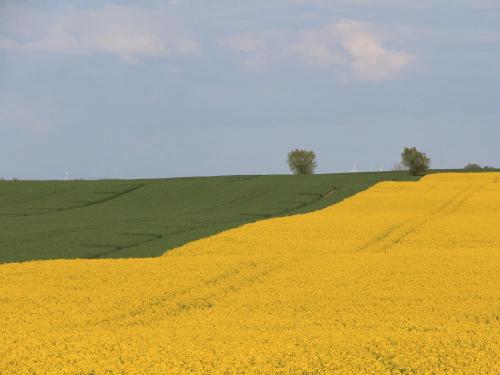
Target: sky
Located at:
point(129, 89)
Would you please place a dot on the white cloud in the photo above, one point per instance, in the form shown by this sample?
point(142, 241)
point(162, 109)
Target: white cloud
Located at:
point(126, 31)
point(353, 46)
point(349, 48)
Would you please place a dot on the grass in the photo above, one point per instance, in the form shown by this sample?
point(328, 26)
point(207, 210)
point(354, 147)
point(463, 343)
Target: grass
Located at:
point(145, 218)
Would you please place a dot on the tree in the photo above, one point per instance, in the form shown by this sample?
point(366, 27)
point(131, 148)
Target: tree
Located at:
point(302, 161)
point(417, 162)
point(473, 167)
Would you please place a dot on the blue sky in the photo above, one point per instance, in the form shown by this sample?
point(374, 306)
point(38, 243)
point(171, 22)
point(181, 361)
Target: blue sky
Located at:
point(180, 88)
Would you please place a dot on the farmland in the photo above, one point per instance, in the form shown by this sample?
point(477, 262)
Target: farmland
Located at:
point(144, 218)
point(400, 278)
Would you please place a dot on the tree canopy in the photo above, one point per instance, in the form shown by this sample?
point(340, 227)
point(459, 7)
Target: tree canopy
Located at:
point(416, 162)
point(302, 161)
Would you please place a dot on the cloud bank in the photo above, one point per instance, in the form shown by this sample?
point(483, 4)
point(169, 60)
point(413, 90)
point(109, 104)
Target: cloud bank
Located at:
point(126, 31)
point(349, 48)
point(354, 45)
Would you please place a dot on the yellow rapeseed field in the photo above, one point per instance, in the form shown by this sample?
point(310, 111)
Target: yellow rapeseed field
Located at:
point(402, 278)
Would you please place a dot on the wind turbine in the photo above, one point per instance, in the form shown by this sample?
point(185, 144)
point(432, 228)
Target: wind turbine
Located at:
point(354, 169)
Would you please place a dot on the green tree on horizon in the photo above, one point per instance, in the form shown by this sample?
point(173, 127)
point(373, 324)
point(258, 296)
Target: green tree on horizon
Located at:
point(473, 167)
point(302, 161)
point(417, 162)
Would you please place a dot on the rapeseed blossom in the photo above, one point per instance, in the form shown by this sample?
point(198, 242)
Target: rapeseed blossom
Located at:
point(402, 278)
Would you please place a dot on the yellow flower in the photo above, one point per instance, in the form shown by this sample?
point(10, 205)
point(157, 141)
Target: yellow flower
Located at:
point(402, 278)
